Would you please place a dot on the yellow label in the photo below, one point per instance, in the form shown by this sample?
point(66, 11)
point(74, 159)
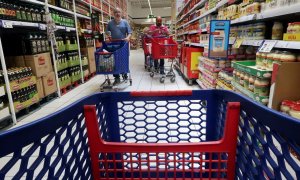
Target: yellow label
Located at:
point(195, 60)
point(238, 43)
point(291, 37)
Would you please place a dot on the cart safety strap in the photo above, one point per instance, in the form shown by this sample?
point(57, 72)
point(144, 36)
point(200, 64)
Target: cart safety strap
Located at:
point(162, 93)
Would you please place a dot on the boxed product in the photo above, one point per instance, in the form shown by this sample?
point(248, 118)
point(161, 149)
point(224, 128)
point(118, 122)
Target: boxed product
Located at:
point(49, 83)
point(39, 63)
point(90, 52)
point(15, 61)
point(40, 88)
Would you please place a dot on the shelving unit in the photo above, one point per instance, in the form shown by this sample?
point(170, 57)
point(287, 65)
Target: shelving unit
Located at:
point(193, 20)
point(74, 13)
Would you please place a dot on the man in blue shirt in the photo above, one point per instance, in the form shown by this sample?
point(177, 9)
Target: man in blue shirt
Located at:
point(119, 30)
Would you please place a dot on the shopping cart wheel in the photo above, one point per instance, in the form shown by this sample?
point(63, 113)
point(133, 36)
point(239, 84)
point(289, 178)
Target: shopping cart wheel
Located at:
point(151, 74)
point(172, 79)
point(162, 80)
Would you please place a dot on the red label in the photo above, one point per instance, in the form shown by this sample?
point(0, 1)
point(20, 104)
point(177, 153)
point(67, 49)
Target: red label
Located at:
point(50, 82)
point(215, 33)
point(292, 37)
point(41, 60)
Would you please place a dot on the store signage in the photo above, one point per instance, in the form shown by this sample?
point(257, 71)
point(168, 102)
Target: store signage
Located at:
point(219, 39)
point(151, 16)
point(267, 46)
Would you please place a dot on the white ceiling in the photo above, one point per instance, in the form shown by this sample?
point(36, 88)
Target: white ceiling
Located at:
point(154, 3)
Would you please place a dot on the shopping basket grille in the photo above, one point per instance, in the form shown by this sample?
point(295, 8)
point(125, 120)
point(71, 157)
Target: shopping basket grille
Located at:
point(163, 165)
point(162, 121)
point(56, 147)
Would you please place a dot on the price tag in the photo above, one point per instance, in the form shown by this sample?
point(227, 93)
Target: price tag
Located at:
point(7, 24)
point(267, 46)
point(42, 27)
point(257, 43)
point(237, 43)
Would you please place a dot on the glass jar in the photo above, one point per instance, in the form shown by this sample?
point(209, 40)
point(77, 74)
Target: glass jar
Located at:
point(277, 31)
point(246, 81)
point(295, 111)
point(234, 75)
point(242, 75)
point(286, 106)
point(264, 60)
point(259, 31)
point(238, 76)
point(261, 87)
point(251, 83)
point(270, 60)
point(287, 57)
point(296, 27)
point(276, 56)
point(259, 60)
point(289, 29)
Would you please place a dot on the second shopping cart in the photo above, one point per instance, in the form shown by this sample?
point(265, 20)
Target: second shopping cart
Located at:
point(156, 48)
point(113, 58)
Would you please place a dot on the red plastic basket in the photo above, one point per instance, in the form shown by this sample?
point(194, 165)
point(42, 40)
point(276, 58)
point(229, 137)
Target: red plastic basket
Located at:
point(164, 48)
point(147, 46)
point(119, 160)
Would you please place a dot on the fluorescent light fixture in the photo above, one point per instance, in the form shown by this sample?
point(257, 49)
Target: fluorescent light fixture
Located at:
point(150, 7)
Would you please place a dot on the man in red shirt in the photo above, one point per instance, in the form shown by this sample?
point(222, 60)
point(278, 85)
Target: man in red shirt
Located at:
point(159, 30)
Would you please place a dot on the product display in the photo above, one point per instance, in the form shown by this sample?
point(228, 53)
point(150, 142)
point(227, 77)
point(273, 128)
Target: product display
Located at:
point(26, 44)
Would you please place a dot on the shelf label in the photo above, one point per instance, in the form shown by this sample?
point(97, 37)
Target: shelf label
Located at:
point(237, 43)
point(7, 24)
point(267, 46)
point(68, 29)
point(42, 27)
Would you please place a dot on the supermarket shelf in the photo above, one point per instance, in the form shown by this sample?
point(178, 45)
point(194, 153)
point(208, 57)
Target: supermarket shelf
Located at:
point(269, 14)
point(34, 2)
point(87, 31)
point(198, 44)
point(202, 2)
point(279, 44)
point(221, 3)
point(193, 32)
point(2, 91)
point(243, 19)
point(286, 10)
point(96, 9)
point(288, 44)
point(223, 86)
point(186, 4)
point(61, 9)
point(179, 40)
point(11, 24)
point(83, 2)
point(200, 84)
point(4, 115)
point(83, 16)
point(181, 34)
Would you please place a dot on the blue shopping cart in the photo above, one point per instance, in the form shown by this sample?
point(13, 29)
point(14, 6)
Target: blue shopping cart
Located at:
point(113, 58)
point(155, 135)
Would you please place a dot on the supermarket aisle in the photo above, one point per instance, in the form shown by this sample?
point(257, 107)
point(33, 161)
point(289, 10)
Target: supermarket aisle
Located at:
point(141, 82)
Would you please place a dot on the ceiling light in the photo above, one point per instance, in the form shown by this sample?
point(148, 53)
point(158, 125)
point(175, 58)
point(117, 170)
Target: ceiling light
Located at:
point(150, 7)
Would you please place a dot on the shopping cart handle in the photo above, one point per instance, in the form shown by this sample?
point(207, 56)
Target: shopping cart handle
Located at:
point(161, 93)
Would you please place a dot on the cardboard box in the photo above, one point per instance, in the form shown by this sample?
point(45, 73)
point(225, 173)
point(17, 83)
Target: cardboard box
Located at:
point(39, 63)
point(40, 88)
point(285, 84)
point(90, 53)
point(15, 61)
point(49, 83)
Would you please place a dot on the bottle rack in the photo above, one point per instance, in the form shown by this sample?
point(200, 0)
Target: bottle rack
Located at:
point(76, 11)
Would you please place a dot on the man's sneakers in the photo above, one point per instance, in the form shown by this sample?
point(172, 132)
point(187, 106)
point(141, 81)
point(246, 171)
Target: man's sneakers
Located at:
point(117, 81)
